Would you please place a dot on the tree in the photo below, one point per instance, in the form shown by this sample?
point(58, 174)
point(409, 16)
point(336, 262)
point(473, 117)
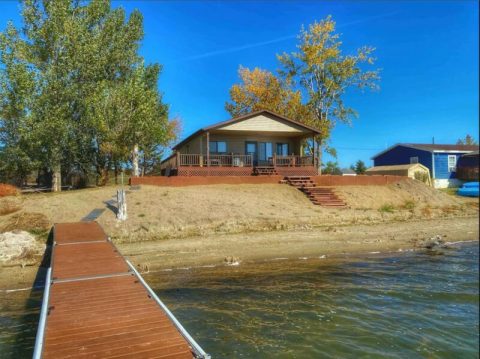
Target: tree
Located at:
point(468, 140)
point(324, 74)
point(16, 88)
point(85, 99)
point(262, 90)
point(359, 167)
point(331, 168)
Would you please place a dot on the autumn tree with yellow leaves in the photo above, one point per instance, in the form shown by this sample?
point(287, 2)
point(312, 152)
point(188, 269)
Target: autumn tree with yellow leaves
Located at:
point(311, 84)
point(262, 90)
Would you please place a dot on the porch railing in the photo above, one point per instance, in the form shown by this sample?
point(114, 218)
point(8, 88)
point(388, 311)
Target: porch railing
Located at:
point(231, 160)
point(293, 161)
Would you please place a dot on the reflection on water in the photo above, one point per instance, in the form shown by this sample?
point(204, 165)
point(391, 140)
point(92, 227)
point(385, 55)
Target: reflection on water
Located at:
point(414, 305)
point(19, 312)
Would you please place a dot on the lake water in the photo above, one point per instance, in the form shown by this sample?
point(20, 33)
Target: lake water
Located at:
point(405, 305)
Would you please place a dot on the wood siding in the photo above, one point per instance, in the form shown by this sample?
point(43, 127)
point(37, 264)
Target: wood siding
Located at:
point(262, 123)
point(236, 143)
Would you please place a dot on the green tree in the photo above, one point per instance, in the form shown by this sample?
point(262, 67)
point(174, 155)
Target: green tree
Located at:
point(16, 88)
point(331, 168)
point(80, 67)
point(468, 140)
point(359, 167)
point(324, 74)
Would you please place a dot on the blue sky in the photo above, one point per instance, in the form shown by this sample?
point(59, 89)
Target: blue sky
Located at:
point(428, 52)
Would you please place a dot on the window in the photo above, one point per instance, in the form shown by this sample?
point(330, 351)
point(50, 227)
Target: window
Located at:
point(218, 147)
point(250, 148)
point(413, 159)
point(282, 149)
point(452, 163)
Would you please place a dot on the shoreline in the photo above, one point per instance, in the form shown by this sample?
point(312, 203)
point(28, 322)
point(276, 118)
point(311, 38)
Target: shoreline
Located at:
point(297, 244)
point(235, 249)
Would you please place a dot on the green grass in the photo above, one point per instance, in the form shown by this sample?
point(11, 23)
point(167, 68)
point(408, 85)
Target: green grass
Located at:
point(410, 205)
point(387, 208)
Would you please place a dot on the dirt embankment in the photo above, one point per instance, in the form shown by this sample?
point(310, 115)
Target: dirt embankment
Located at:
point(181, 212)
point(205, 224)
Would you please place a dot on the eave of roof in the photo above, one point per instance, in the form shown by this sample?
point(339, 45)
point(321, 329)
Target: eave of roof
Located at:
point(431, 148)
point(241, 118)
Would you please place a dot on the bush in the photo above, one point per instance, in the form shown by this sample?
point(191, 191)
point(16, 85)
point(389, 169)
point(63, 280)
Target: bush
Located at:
point(387, 208)
point(7, 190)
point(410, 205)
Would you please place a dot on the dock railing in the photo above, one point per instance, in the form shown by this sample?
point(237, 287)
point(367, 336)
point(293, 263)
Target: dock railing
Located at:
point(197, 349)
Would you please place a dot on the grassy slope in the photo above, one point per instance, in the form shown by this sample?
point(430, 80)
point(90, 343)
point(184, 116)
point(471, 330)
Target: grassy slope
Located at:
point(168, 212)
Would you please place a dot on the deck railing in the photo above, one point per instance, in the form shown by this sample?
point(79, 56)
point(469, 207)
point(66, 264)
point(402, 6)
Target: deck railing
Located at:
point(293, 161)
point(231, 160)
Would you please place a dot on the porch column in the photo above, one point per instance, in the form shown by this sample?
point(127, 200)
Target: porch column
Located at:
point(314, 153)
point(208, 149)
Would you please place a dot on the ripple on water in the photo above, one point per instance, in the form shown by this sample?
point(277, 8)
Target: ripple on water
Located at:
point(404, 305)
point(397, 306)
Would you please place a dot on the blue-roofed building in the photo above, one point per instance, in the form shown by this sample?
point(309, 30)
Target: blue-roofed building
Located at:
point(441, 160)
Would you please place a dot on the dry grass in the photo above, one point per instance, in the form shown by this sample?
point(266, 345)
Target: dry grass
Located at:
point(180, 212)
point(7, 206)
point(36, 223)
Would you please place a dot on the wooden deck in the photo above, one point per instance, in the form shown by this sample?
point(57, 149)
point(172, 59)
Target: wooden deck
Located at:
point(97, 306)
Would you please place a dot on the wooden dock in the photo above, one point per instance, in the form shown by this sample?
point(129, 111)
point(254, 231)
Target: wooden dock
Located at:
point(96, 305)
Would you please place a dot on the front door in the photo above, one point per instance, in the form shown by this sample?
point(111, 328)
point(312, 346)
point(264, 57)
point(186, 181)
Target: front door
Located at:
point(251, 149)
point(265, 153)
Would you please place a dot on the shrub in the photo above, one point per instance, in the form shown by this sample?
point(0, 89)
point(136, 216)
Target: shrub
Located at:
point(410, 205)
point(387, 208)
point(427, 211)
point(7, 190)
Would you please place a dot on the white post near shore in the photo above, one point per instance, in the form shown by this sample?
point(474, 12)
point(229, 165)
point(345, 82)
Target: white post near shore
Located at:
point(121, 203)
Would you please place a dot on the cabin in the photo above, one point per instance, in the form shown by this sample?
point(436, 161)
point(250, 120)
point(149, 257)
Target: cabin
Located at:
point(441, 160)
point(259, 143)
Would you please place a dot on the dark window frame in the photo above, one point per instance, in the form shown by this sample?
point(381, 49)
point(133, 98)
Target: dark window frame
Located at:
point(213, 145)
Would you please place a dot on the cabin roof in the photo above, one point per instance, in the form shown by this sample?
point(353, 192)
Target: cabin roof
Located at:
point(245, 117)
point(433, 148)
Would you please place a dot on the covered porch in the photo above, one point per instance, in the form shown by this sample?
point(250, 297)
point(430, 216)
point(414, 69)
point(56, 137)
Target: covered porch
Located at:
point(262, 144)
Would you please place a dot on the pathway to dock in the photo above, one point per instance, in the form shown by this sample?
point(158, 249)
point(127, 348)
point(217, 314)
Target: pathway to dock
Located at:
point(96, 305)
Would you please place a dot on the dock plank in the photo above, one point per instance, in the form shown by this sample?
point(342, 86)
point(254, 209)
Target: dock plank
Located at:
point(99, 308)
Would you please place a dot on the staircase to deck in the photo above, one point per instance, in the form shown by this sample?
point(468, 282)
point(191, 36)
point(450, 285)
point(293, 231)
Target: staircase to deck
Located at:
point(265, 171)
point(322, 196)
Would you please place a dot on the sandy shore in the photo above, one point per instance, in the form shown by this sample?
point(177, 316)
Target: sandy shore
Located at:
point(351, 239)
point(248, 247)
